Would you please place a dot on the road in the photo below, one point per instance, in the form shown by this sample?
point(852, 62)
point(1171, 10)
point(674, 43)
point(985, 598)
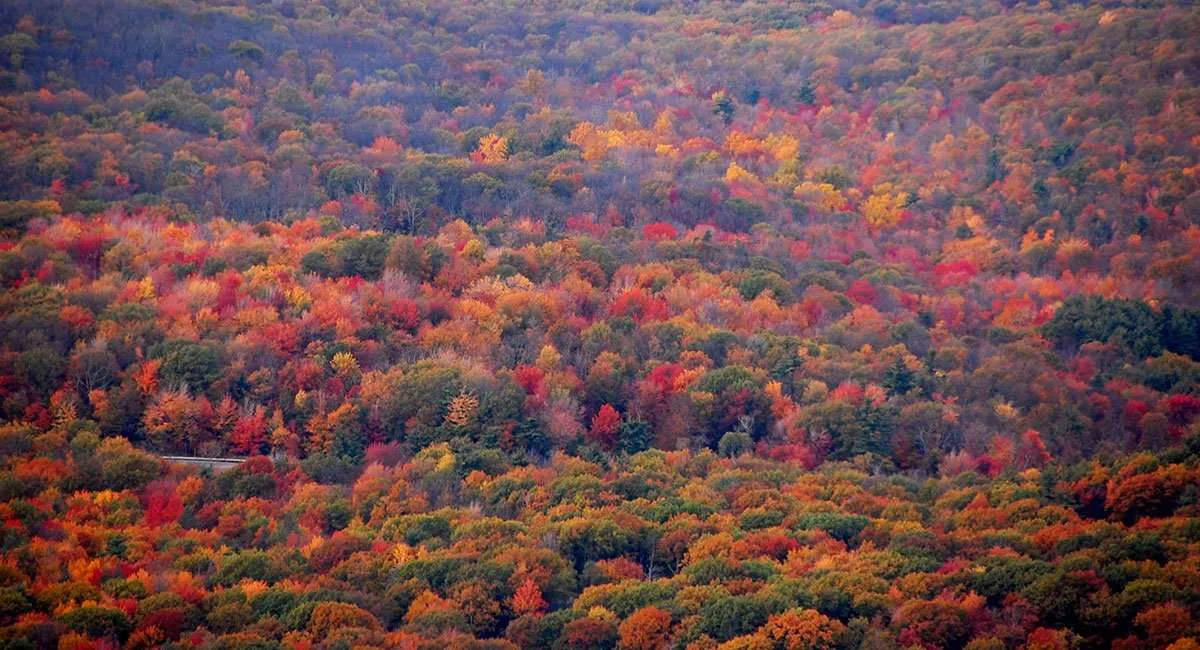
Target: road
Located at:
point(215, 464)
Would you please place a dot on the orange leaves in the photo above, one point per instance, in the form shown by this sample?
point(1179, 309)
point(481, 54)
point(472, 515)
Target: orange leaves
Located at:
point(528, 599)
point(461, 411)
point(330, 617)
point(146, 376)
point(803, 629)
point(648, 628)
point(1150, 493)
point(385, 147)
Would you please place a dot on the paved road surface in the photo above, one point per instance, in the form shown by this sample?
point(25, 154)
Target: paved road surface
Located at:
point(215, 464)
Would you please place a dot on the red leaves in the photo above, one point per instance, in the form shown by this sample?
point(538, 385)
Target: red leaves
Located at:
point(249, 434)
point(1032, 450)
point(529, 378)
point(663, 377)
point(956, 273)
point(162, 504)
point(404, 314)
point(228, 282)
point(640, 306)
point(604, 427)
point(656, 232)
point(862, 292)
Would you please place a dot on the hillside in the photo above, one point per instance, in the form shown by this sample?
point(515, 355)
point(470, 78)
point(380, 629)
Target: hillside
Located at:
point(645, 324)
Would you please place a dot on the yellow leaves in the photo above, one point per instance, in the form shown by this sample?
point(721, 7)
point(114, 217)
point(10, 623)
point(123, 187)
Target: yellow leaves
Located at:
point(105, 497)
point(822, 196)
point(254, 318)
point(664, 124)
point(312, 546)
point(782, 146)
point(592, 143)
point(533, 83)
point(474, 310)
point(446, 462)
point(1074, 253)
point(461, 335)
point(735, 173)
point(884, 209)
point(190, 488)
point(623, 131)
point(474, 250)
point(492, 149)
point(963, 215)
point(549, 358)
point(765, 308)
point(1006, 410)
point(344, 364)
point(144, 290)
point(252, 588)
point(403, 553)
point(298, 298)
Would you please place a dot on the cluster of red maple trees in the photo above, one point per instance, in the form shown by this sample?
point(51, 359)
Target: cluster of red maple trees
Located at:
point(645, 325)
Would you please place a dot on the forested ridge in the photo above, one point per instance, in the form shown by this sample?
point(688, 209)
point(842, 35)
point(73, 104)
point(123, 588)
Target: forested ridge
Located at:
point(588, 324)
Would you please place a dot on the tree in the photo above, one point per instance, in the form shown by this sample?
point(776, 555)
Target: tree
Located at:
point(42, 369)
point(735, 443)
point(98, 622)
point(493, 148)
point(528, 599)
point(722, 106)
point(605, 426)
point(249, 435)
point(328, 618)
point(724, 618)
point(803, 629)
point(634, 436)
point(192, 365)
point(649, 628)
point(363, 256)
point(590, 633)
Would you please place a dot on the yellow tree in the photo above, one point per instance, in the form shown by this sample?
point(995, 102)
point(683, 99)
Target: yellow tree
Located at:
point(884, 208)
point(493, 148)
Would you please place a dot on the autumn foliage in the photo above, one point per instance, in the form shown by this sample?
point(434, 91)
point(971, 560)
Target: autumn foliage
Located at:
point(651, 324)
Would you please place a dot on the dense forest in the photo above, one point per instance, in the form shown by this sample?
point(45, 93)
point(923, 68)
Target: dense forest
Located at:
point(635, 324)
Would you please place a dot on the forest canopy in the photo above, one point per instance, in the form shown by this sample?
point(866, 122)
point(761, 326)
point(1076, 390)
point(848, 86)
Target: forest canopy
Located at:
point(599, 324)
